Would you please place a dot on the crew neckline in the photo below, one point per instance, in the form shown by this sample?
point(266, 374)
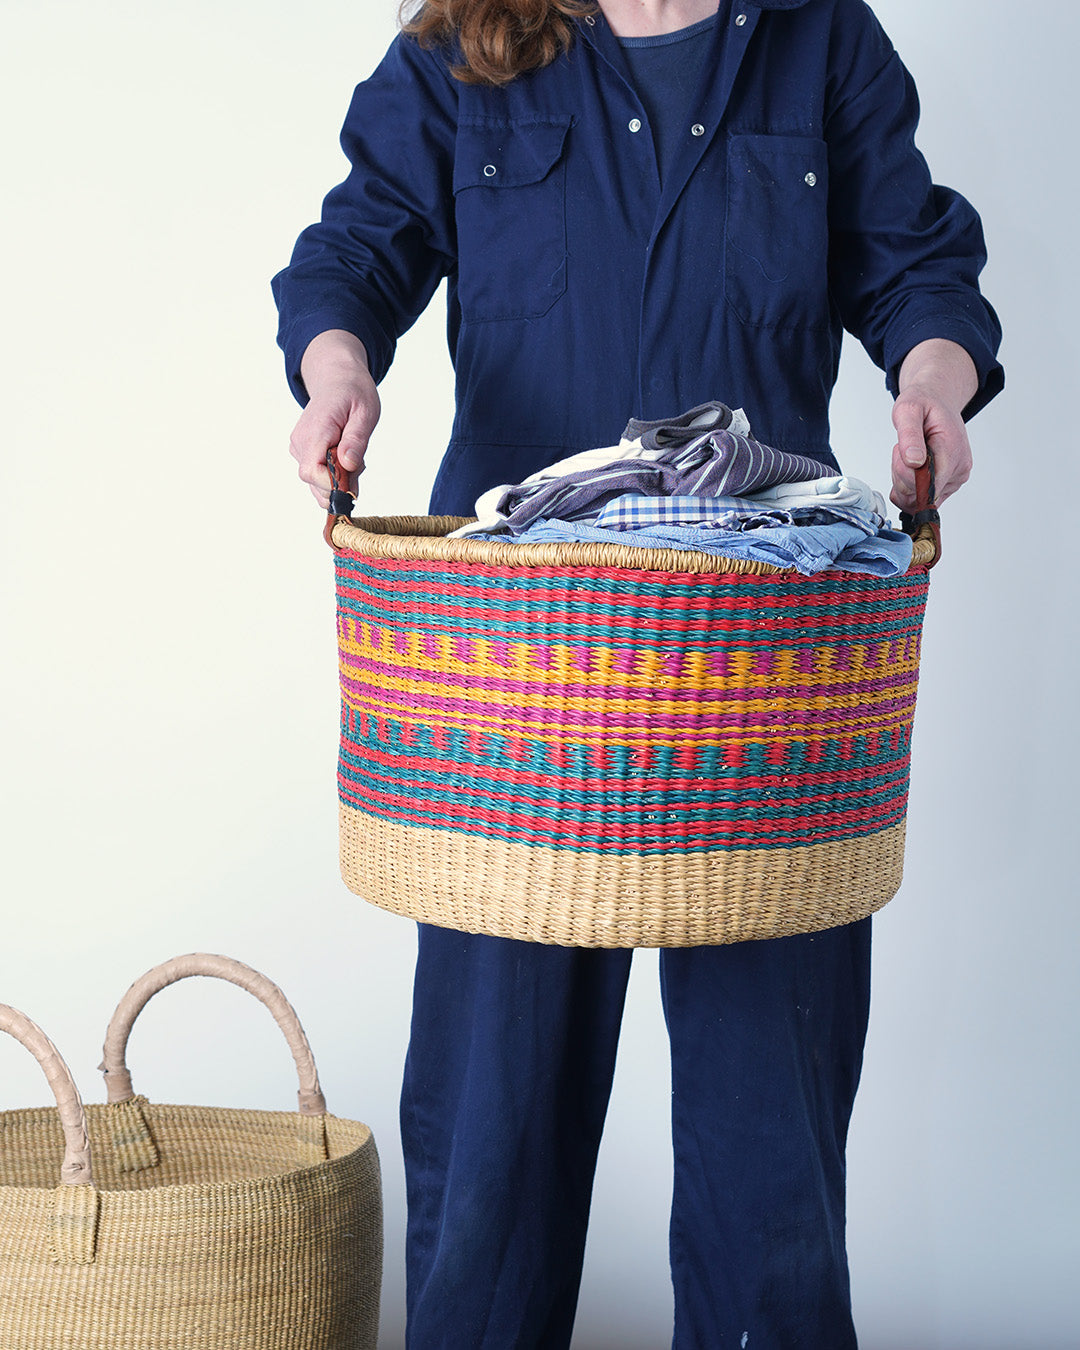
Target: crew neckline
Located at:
point(666, 39)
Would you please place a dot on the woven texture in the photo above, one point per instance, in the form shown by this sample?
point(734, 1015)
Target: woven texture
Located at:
point(624, 748)
point(233, 1240)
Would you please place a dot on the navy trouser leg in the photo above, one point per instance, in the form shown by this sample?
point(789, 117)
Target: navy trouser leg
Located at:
point(506, 1087)
point(766, 1050)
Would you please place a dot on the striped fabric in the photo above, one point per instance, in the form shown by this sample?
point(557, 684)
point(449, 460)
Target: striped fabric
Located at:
point(619, 710)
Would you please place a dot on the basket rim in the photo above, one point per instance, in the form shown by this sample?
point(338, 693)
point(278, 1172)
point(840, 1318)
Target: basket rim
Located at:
point(423, 539)
point(121, 1194)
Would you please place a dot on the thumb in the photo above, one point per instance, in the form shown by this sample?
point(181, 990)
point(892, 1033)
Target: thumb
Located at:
point(350, 452)
point(909, 421)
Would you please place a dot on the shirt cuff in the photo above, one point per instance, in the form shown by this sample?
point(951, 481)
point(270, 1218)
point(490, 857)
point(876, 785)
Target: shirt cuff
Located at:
point(967, 335)
point(377, 344)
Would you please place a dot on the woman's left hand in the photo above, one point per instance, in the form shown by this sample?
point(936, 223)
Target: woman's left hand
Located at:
point(937, 381)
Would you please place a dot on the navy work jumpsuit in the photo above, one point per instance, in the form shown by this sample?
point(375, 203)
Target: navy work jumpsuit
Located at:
point(581, 292)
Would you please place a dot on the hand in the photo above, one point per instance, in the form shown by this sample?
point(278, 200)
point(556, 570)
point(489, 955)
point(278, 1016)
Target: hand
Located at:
point(937, 381)
point(342, 411)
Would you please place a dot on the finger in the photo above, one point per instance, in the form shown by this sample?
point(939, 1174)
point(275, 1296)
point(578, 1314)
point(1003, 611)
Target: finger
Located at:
point(952, 460)
point(356, 433)
point(310, 440)
point(946, 438)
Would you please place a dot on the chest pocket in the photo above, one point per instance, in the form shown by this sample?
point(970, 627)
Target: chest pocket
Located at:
point(776, 250)
point(510, 203)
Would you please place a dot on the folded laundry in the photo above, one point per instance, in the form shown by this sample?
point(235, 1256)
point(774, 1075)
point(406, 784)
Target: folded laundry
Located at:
point(658, 461)
point(807, 548)
point(814, 502)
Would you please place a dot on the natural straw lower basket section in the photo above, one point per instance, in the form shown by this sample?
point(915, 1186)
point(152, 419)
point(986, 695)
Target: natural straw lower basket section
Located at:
point(192, 1228)
point(600, 746)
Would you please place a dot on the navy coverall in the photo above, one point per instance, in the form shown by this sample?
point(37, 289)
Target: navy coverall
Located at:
point(581, 293)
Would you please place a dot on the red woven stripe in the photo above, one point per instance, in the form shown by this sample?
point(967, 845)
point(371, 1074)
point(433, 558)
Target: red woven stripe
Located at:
point(570, 833)
point(527, 810)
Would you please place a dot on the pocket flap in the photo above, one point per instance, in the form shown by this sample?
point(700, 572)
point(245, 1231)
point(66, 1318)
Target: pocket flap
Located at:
point(505, 154)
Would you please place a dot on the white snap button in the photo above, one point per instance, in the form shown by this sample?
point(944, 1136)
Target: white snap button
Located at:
point(590, 19)
point(634, 124)
point(740, 19)
point(490, 171)
point(810, 179)
point(697, 129)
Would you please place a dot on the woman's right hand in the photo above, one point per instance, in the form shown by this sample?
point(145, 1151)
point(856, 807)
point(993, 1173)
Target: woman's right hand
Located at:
point(342, 411)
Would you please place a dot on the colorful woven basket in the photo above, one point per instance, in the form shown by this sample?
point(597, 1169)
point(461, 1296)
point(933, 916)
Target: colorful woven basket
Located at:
point(194, 1226)
point(600, 746)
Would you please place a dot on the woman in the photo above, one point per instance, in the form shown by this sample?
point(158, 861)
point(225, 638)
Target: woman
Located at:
point(639, 206)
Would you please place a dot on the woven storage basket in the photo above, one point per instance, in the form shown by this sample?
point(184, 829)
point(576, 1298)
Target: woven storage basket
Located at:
point(198, 1228)
point(601, 746)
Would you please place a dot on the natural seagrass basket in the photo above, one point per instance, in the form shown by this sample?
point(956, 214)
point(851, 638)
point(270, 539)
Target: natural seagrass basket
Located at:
point(195, 1228)
point(601, 746)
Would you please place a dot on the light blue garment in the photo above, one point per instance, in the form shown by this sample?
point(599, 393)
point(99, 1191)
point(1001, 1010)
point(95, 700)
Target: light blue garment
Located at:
point(807, 548)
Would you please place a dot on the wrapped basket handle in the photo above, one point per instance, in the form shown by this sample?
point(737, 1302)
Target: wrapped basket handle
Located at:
point(925, 515)
point(341, 501)
point(75, 1169)
point(117, 1076)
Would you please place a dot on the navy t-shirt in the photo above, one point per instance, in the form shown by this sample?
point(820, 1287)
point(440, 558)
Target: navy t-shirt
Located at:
point(666, 70)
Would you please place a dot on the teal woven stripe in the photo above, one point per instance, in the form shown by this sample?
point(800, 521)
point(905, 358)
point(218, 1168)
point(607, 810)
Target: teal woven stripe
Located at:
point(490, 754)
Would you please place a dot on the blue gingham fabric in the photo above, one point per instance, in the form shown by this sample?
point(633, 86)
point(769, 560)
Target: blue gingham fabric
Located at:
point(827, 501)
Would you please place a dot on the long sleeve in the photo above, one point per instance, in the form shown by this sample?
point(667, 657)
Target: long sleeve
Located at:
point(905, 254)
point(386, 237)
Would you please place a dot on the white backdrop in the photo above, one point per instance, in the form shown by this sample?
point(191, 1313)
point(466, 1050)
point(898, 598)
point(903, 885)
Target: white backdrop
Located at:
point(169, 702)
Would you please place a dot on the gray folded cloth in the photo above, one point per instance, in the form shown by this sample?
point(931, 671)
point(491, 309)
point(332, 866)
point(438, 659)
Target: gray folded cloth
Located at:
point(687, 426)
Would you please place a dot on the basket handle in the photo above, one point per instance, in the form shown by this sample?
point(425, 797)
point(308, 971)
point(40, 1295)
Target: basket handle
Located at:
point(75, 1169)
point(341, 501)
point(117, 1076)
point(925, 515)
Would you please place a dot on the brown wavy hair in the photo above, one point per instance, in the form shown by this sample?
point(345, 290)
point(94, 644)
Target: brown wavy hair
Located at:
point(498, 39)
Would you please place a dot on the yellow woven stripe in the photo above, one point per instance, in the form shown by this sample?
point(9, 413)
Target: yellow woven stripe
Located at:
point(675, 671)
point(612, 734)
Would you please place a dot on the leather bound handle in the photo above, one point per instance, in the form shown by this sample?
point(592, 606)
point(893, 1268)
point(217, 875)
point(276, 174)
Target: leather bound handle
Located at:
point(925, 515)
point(341, 501)
point(117, 1077)
point(75, 1169)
